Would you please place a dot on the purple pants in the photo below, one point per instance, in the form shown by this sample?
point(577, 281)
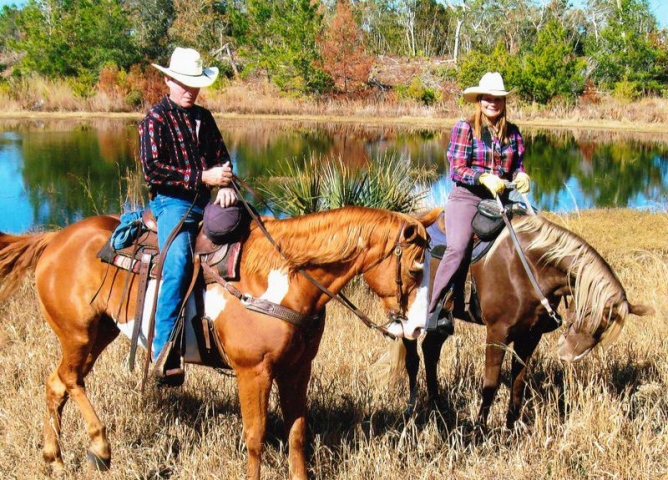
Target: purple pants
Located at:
point(459, 211)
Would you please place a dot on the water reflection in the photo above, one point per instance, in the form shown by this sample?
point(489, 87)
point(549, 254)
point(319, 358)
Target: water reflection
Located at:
point(54, 173)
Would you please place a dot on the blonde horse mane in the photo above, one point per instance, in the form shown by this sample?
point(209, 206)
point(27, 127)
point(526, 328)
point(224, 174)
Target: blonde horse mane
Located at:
point(318, 239)
point(596, 288)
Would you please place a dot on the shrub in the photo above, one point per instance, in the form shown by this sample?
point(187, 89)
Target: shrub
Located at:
point(418, 91)
point(134, 99)
point(627, 90)
point(318, 184)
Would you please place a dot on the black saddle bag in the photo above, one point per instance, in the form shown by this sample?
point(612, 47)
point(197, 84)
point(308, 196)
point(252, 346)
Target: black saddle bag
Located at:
point(487, 223)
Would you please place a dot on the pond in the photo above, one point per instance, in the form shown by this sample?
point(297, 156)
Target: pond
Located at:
point(55, 172)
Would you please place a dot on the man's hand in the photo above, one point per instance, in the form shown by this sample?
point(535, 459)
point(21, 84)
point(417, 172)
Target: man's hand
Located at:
point(218, 176)
point(226, 197)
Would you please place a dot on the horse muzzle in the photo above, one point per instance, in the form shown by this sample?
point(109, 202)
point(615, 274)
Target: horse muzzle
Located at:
point(572, 348)
point(402, 327)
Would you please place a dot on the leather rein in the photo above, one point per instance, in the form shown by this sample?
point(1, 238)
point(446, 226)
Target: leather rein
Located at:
point(295, 318)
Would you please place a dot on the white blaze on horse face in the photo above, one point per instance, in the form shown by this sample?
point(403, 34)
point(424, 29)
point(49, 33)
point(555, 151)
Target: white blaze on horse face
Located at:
point(417, 312)
point(416, 318)
point(277, 286)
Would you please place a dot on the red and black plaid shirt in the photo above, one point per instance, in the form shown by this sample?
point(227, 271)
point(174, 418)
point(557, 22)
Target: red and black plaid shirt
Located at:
point(177, 144)
point(470, 157)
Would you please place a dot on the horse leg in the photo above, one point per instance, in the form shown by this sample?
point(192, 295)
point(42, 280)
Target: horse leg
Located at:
point(67, 381)
point(524, 348)
point(431, 350)
point(254, 388)
point(494, 353)
point(292, 389)
point(412, 363)
point(56, 397)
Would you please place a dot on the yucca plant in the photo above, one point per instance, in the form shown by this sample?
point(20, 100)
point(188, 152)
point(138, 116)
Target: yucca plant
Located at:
point(342, 185)
point(395, 185)
point(297, 190)
point(319, 183)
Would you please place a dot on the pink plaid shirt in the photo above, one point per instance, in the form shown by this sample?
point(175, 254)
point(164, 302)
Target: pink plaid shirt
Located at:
point(470, 157)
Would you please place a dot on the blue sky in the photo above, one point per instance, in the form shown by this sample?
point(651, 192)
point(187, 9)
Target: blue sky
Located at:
point(658, 7)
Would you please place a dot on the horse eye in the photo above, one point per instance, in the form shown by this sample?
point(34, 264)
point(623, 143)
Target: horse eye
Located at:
point(415, 271)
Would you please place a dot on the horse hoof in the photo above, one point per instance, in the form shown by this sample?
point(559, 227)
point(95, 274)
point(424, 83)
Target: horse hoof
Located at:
point(98, 463)
point(57, 469)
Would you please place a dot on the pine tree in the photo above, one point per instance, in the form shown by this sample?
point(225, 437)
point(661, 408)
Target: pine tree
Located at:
point(343, 50)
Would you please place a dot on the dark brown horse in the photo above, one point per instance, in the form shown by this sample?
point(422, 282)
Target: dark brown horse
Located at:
point(565, 266)
point(80, 301)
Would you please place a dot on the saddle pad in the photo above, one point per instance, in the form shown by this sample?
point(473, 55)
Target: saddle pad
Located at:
point(228, 266)
point(124, 259)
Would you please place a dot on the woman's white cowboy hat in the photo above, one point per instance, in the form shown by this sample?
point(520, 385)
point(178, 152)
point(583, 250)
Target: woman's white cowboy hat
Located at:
point(185, 67)
point(490, 84)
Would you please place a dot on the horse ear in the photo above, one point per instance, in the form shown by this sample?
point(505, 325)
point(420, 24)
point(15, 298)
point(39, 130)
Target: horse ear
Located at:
point(641, 310)
point(428, 218)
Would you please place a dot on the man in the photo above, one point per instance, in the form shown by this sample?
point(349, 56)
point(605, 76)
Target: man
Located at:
point(183, 157)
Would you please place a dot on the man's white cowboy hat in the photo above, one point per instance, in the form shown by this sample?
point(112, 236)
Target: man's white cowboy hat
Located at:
point(185, 67)
point(490, 84)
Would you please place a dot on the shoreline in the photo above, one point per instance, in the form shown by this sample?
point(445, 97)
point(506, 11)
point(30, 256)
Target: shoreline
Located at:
point(422, 121)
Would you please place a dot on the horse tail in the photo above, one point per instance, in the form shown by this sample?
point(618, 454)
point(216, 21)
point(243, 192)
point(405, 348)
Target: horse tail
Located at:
point(391, 365)
point(18, 255)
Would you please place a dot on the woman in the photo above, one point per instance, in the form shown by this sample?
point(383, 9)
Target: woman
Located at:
point(484, 152)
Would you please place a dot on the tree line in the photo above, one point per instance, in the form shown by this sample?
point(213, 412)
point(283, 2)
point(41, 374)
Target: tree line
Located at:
point(550, 50)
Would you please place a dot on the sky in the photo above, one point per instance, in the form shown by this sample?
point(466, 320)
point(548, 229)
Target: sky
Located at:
point(660, 10)
point(658, 7)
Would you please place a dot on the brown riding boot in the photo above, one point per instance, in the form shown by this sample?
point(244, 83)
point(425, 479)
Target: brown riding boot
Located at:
point(169, 369)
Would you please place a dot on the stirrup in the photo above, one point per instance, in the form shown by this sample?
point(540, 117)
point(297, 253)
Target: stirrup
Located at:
point(441, 321)
point(445, 323)
point(169, 368)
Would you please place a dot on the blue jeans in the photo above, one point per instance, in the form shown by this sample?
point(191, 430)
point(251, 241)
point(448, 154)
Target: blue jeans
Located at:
point(177, 267)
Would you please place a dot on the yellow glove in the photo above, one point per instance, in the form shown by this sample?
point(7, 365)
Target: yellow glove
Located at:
point(493, 183)
point(522, 182)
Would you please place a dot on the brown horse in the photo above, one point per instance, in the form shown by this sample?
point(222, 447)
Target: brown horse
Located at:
point(565, 266)
point(80, 300)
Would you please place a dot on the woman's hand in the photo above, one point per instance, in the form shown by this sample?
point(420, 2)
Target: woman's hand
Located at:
point(493, 183)
point(522, 182)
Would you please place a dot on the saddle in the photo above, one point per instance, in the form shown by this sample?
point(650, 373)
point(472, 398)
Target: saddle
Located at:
point(487, 225)
point(142, 257)
point(222, 258)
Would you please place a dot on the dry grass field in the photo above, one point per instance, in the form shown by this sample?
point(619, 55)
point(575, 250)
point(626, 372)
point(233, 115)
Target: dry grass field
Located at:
point(38, 97)
point(605, 417)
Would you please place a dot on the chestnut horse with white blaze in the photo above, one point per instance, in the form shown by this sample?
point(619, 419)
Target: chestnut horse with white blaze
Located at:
point(565, 266)
point(80, 299)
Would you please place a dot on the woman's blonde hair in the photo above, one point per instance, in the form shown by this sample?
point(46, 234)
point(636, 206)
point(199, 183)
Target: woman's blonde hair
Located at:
point(478, 120)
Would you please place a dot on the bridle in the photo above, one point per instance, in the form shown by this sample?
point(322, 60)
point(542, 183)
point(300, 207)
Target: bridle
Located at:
point(397, 250)
point(394, 315)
